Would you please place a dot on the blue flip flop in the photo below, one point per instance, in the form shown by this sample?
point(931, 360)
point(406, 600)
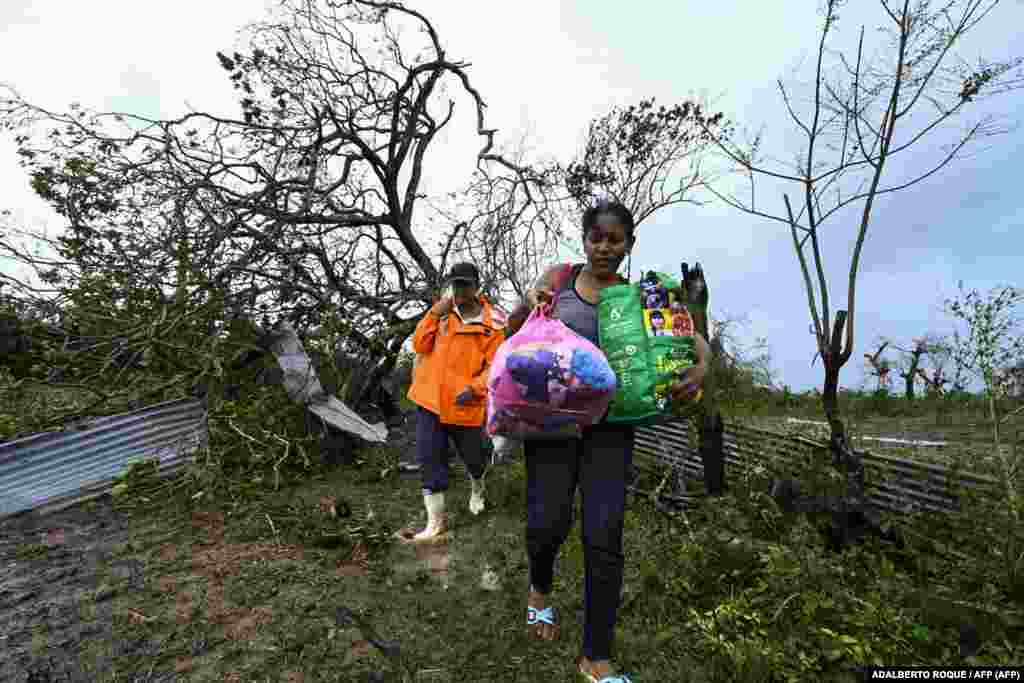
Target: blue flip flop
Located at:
point(607, 679)
point(535, 616)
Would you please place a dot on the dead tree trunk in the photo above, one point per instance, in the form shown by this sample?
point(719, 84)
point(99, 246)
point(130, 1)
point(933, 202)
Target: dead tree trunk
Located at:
point(908, 391)
point(851, 519)
point(910, 374)
point(843, 456)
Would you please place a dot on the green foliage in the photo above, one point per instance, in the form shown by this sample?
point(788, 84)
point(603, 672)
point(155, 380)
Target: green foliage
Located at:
point(403, 372)
point(8, 426)
point(31, 551)
point(994, 337)
point(139, 484)
point(28, 407)
point(737, 591)
point(299, 523)
point(787, 399)
point(956, 406)
point(765, 602)
point(262, 437)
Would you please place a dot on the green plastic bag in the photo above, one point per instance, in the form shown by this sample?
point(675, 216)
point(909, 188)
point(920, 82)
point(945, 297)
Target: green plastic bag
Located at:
point(647, 335)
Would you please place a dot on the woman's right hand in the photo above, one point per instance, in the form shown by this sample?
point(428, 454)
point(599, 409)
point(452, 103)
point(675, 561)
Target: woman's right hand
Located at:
point(535, 297)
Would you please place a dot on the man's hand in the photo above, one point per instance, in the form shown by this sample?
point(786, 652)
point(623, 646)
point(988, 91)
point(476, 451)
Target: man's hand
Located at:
point(689, 384)
point(465, 397)
point(442, 308)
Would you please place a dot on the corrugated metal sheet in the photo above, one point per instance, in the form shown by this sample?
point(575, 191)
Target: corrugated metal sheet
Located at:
point(894, 484)
point(56, 468)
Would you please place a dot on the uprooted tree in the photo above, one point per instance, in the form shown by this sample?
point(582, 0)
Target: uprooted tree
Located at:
point(310, 206)
point(513, 225)
point(866, 127)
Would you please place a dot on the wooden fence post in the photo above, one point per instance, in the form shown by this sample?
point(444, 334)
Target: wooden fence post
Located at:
point(709, 419)
point(712, 453)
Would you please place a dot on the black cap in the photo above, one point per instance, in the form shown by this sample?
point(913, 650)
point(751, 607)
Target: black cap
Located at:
point(464, 272)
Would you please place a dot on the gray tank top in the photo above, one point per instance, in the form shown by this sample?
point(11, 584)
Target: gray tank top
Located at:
point(578, 315)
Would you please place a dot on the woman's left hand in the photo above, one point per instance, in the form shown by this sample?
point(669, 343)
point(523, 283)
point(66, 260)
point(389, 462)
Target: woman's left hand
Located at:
point(689, 384)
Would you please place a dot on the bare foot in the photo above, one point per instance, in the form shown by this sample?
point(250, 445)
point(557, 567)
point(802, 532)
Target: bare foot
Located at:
point(540, 630)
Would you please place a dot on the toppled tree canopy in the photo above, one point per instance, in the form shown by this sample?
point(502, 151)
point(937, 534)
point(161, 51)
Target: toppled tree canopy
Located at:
point(309, 206)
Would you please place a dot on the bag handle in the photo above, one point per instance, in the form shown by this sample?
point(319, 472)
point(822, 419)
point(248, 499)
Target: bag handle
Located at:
point(562, 276)
point(539, 311)
point(563, 273)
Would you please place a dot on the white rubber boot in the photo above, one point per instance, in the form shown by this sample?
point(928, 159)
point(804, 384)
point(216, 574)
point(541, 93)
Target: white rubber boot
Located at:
point(437, 521)
point(503, 448)
point(476, 496)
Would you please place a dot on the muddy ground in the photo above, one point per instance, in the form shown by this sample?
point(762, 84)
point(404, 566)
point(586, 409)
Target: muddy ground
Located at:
point(79, 589)
point(66, 577)
point(58, 575)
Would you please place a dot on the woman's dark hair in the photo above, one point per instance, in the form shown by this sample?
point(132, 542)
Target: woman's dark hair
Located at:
point(621, 213)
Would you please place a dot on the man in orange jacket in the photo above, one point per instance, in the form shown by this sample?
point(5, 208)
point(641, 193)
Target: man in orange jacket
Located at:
point(455, 342)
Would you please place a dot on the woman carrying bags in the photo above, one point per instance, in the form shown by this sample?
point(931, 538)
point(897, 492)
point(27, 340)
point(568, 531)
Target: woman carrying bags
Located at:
point(455, 342)
point(597, 463)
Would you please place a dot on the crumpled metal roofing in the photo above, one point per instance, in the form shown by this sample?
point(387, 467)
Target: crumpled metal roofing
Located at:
point(58, 468)
point(894, 484)
point(303, 386)
point(55, 469)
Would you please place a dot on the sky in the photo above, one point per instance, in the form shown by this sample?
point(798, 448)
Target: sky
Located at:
point(547, 68)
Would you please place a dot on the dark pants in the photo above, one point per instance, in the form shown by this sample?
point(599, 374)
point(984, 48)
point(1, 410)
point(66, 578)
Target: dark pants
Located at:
point(432, 449)
point(598, 463)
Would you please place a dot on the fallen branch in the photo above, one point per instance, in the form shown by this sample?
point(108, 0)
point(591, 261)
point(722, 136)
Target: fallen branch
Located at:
point(272, 528)
point(139, 617)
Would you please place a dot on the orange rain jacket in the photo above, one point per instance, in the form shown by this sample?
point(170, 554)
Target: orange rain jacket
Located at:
point(453, 356)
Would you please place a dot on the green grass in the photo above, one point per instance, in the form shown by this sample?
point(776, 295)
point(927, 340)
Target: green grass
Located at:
point(952, 418)
point(450, 626)
point(734, 592)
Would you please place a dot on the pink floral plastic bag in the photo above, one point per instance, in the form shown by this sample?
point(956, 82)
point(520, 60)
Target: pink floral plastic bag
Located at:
point(547, 382)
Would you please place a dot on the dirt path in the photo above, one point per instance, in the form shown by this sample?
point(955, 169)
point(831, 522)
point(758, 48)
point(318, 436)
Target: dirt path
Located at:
point(56, 583)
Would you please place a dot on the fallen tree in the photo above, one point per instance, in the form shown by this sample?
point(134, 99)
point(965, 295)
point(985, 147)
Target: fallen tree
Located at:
point(308, 207)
